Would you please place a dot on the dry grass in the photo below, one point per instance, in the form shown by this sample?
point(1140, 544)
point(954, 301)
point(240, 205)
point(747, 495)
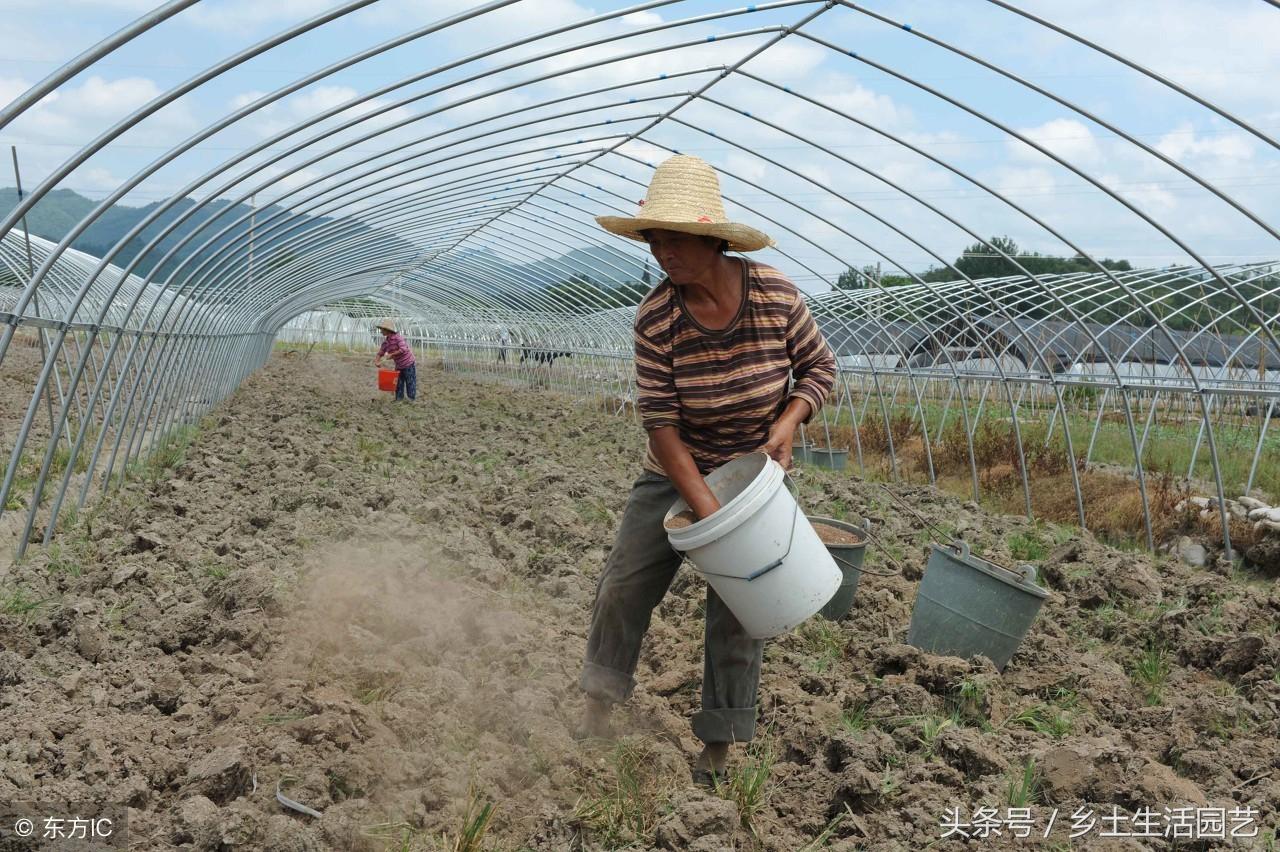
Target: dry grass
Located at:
point(625, 806)
point(615, 405)
point(1112, 503)
point(875, 436)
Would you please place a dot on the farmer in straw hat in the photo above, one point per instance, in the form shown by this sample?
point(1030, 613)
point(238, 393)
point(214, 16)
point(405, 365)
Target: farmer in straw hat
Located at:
point(716, 345)
point(395, 347)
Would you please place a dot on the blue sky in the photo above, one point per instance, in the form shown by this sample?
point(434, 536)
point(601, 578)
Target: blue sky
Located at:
point(1224, 50)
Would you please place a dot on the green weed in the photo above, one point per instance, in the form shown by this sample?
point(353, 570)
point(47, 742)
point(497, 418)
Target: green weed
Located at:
point(855, 719)
point(398, 836)
point(1210, 624)
point(1150, 672)
point(889, 788)
point(62, 562)
point(475, 824)
point(19, 602)
point(1023, 789)
point(626, 807)
point(821, 641)
point(1043, 719)
point(1027, 546)
point(748, 785)
point(931, 727)
point(968, 702)
point(820, 842)
point(592, 511)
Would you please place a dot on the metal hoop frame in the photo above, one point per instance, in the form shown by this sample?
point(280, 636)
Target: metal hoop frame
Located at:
point(465, 217)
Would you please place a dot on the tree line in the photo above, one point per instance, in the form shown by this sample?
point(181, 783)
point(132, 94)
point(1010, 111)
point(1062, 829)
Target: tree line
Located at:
point(1186, 303)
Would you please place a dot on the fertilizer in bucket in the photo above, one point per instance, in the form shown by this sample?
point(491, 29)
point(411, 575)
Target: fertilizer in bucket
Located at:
point(848, 547)
point(758, 551)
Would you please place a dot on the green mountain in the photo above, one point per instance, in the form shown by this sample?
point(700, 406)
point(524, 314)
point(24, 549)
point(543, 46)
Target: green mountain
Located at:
point(585, 278)
point(55, 214)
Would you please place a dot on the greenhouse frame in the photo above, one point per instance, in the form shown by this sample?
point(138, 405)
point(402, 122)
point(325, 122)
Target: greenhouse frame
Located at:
point(459, 200)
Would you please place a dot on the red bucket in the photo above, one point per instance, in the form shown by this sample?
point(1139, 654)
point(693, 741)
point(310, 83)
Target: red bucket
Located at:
point(387, 379)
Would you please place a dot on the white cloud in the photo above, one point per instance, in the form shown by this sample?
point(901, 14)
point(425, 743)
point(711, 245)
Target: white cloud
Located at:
point(109, 98)
point(845, 93)
point(284, 183)
point(644, 151)
point(1020, 182)
point(95, 179)
point(789, 59)
point(243, 99)
point(524, 18)
point(12, 87)
point(642, 19)
point(1065, 137)
point(1184, 143)
point(320, 98)
point(281, 116)
point(75, 114)
point(1219, 48)
point(748, 168)
point(1216, 47)
point(1152, 198)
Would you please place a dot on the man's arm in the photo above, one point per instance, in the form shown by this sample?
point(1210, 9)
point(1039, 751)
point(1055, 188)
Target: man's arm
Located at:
point(680, 468)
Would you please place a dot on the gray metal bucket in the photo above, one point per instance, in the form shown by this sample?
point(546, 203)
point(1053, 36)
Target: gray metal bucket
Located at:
point(849, 557)
point(966, 605)
point(829, 459)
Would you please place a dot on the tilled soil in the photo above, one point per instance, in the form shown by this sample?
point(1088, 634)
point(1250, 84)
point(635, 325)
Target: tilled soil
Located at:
point(380, 610)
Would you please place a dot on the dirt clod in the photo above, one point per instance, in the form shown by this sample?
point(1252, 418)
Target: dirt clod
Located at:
point(263, 608)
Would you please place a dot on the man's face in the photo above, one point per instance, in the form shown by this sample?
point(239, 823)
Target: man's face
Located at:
point(684, 257)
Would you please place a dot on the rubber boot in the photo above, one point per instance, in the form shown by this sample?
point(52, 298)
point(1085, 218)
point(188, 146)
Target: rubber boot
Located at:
point(709, 768)
point(595, 721)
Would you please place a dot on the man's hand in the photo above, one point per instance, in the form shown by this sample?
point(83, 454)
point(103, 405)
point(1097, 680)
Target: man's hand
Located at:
point(781, 434)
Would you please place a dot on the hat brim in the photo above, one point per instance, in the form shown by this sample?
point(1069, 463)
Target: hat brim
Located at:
point(739, 237)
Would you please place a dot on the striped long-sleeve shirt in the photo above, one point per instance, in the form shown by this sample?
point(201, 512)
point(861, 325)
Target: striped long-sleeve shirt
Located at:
point(398, 348)
point(724, 389)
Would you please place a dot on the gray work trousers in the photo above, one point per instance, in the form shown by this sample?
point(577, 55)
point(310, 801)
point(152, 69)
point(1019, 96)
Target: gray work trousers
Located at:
point(636, 576)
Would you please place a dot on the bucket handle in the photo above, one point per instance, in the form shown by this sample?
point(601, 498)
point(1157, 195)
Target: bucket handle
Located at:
point(1024, 573)
point(760, 572)
point(866, 528)
point(862, 570)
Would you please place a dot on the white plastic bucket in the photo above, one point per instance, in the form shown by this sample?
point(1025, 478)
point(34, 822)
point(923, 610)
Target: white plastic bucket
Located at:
point(759, 551)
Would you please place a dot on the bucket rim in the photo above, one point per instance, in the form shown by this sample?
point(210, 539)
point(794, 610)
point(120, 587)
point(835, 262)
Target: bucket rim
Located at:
point(970, 560)
point(842, 525)
point(732, 514)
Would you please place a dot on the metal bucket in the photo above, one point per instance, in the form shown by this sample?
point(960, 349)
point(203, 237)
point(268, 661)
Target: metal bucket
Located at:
point(966, 605)
point(849, 559)
point(827, 458)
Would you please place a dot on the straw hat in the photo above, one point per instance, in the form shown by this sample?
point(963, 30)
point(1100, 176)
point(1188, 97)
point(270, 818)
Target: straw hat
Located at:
point(387, 324)
point(684, 195)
